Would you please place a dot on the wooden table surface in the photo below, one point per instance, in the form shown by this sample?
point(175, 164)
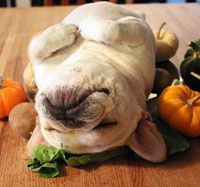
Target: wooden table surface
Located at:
point(17, 26)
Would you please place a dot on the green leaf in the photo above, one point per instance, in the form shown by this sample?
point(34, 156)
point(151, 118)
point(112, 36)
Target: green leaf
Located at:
point(175, 142)
point(44, 154)
point(96, 157)
point(44, 160)
point(48, 170)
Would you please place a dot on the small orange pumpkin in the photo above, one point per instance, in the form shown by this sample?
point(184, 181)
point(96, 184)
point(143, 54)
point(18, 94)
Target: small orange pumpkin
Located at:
point(11, 94)
point(179, 107)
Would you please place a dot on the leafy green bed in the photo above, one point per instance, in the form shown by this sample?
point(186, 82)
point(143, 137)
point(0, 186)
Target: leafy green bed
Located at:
point(44, 159)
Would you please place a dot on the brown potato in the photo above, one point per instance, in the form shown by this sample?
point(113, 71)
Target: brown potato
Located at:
point(22, 119)
point(169, 67)
point(162, 80)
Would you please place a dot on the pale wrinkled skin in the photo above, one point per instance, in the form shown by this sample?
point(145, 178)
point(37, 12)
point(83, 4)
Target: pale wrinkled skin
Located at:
point(97, 46)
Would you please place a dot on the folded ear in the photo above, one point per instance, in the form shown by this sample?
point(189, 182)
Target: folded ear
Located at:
point(147, 142)
point(36, 139)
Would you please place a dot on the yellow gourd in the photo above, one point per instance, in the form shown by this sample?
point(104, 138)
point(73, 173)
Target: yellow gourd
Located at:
point(166, 44)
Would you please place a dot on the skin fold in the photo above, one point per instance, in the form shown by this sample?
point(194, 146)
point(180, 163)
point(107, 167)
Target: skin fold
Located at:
point(94, 72)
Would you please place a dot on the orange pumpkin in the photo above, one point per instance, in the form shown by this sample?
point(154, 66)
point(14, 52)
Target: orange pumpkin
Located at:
point(11, 94)
point(179, 107)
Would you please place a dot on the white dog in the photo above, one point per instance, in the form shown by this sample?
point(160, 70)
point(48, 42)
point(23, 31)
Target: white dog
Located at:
point(94, 72)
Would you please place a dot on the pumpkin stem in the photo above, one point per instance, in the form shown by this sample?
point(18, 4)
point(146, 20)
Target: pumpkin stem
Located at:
point(195, 75)
point(176, 82)
point(193, 100)
point(159, 30)
point(196, 49)
point(194, 46)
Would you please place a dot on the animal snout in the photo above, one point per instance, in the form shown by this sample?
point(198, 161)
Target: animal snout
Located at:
point(59, 112)
point(71, 108)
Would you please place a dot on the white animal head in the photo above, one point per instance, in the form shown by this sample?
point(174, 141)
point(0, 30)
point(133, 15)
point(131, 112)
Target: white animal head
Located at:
point(93, 87)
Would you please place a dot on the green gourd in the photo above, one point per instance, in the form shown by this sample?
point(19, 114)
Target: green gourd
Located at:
point(190, 67)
